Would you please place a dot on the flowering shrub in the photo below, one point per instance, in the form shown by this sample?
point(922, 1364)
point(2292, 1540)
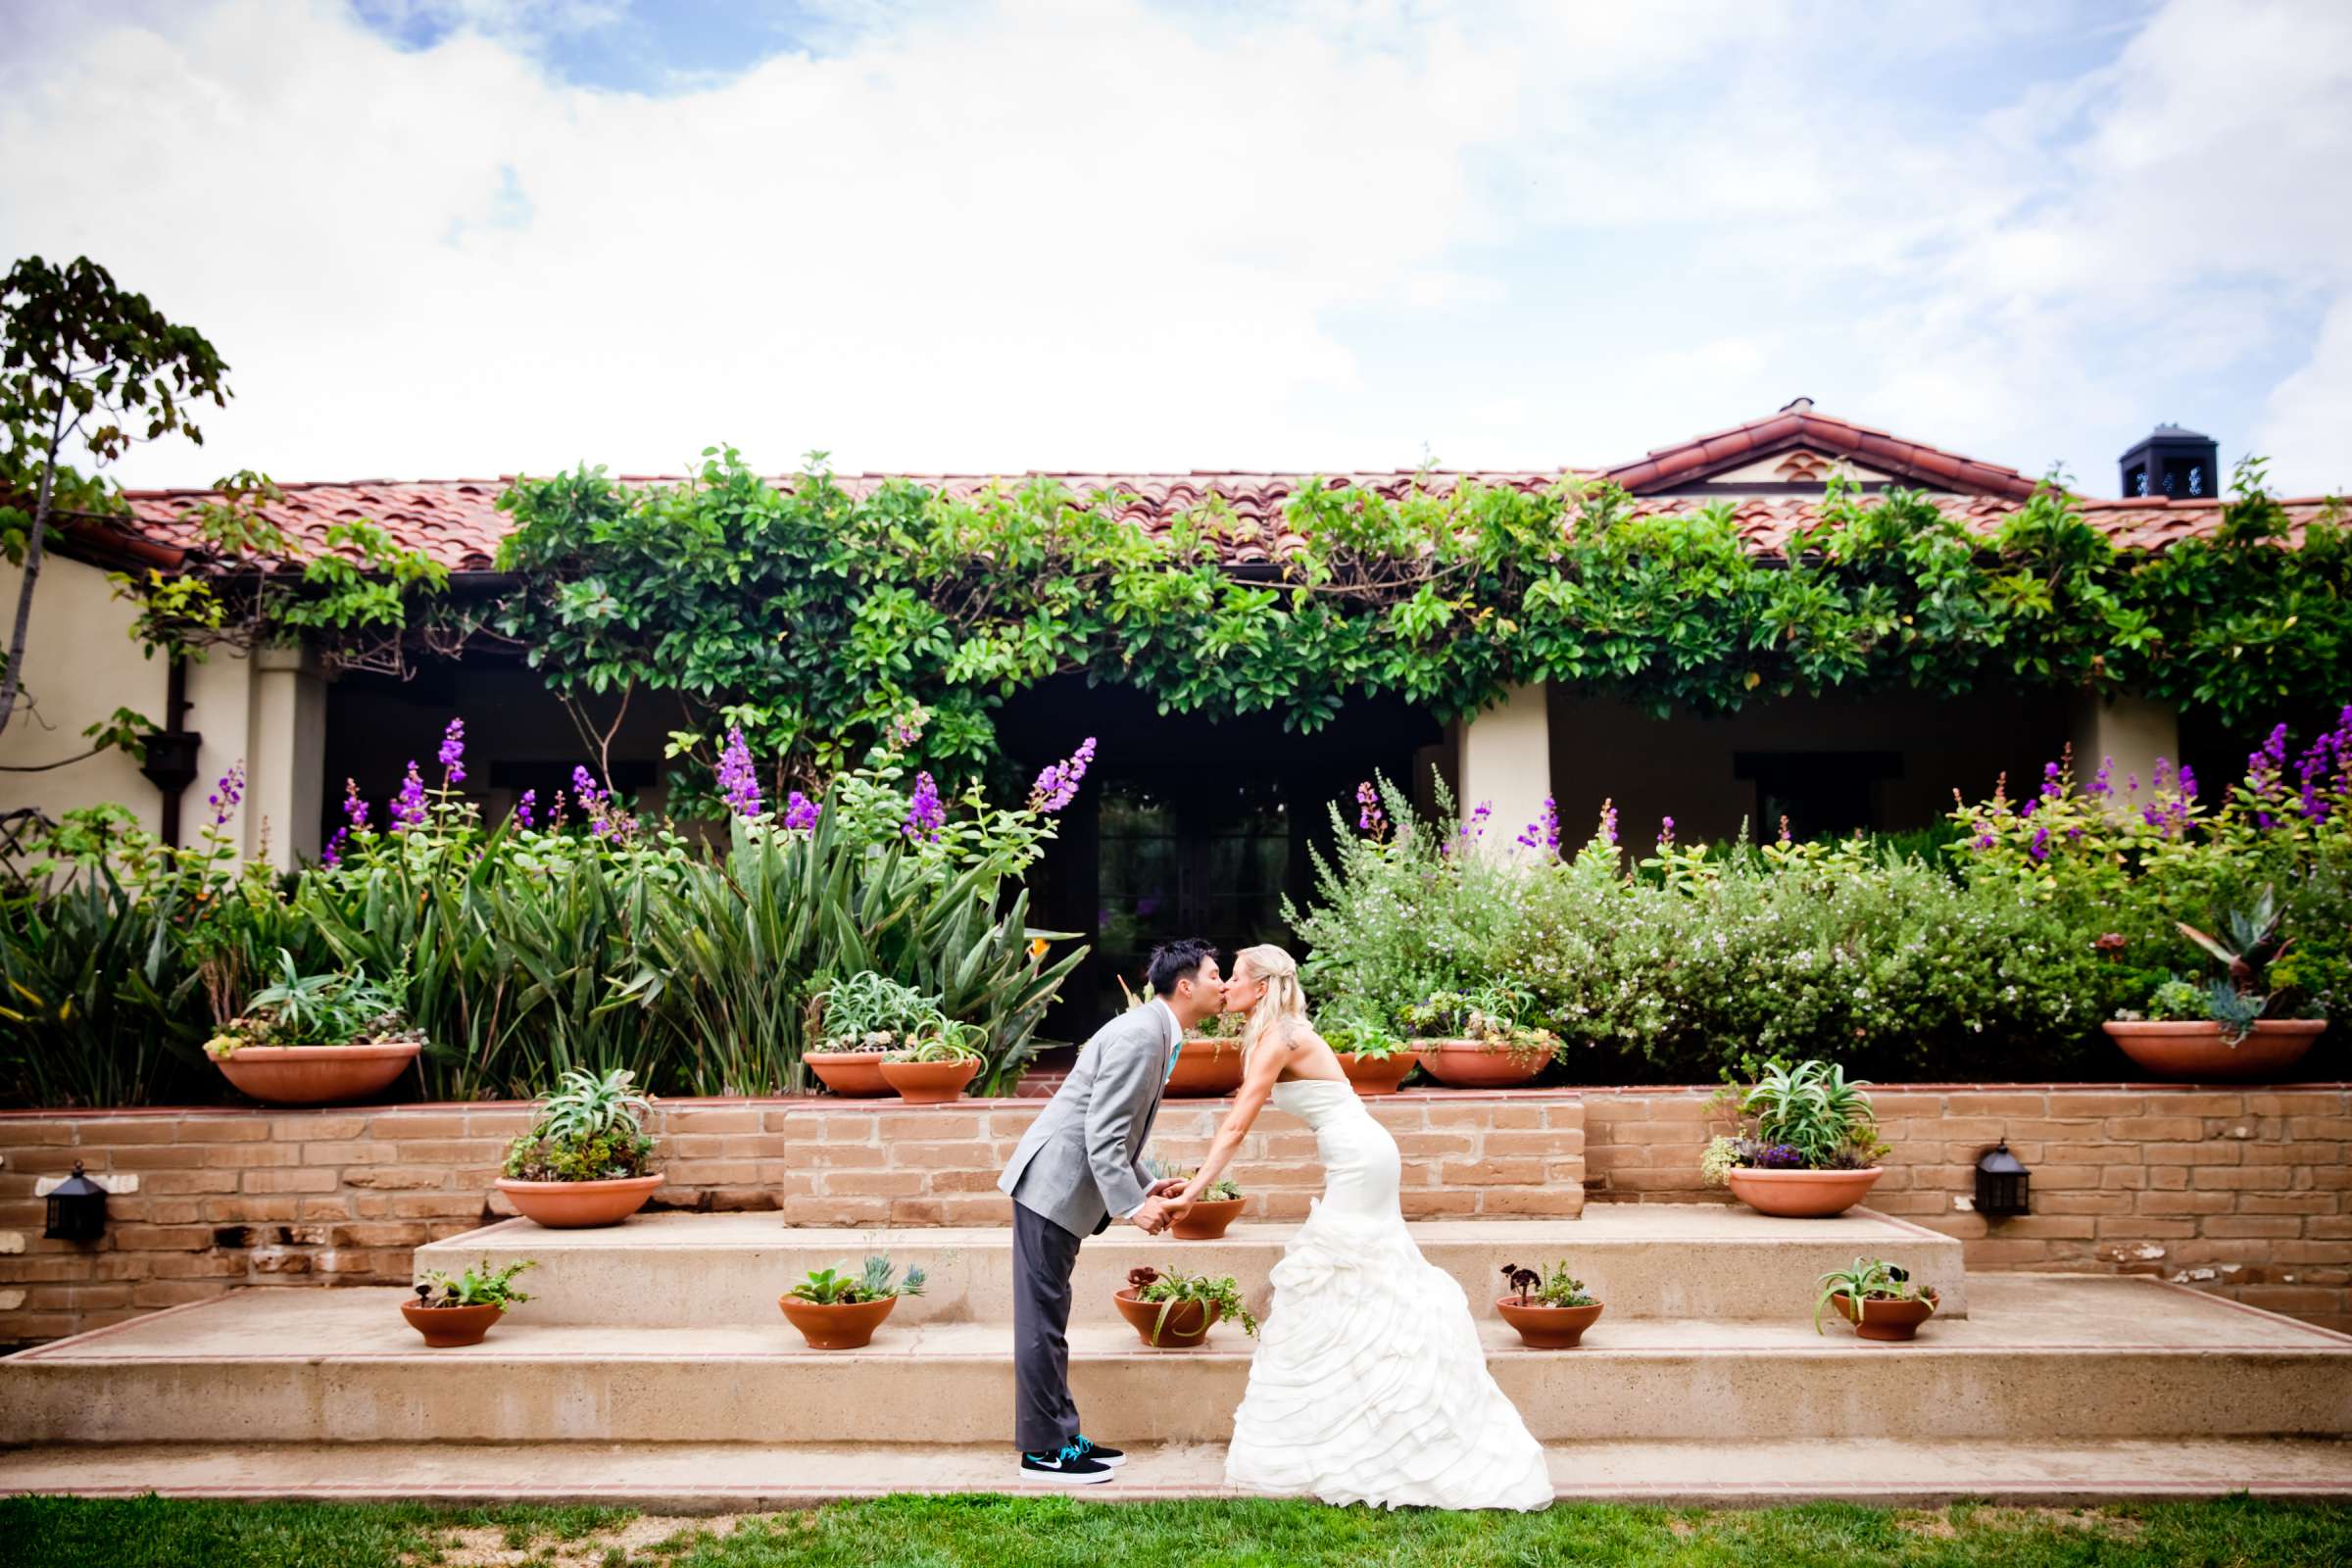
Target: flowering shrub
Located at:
point(2141, 865)
point(1701, 958)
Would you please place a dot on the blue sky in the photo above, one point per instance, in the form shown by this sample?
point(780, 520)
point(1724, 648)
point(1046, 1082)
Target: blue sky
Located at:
point(474, 236)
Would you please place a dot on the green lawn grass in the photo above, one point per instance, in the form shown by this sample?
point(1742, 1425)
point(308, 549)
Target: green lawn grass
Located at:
point(996, 1532)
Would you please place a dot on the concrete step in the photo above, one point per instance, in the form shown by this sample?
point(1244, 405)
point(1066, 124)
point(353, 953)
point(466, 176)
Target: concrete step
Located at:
point(692, 1478)
point(1644, 1260)
point(2043, 1356)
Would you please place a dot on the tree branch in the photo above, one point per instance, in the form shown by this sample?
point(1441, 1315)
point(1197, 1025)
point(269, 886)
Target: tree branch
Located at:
point(12, 681)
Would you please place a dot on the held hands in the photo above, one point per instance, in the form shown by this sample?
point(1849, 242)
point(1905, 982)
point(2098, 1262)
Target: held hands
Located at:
point(1164, 1202)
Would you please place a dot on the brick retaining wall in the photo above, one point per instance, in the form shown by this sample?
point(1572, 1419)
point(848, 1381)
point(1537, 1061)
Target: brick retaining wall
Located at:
point(2246, 1192)
point(339, 1196)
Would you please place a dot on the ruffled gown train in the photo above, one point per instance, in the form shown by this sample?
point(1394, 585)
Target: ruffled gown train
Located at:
point(1369, 1384)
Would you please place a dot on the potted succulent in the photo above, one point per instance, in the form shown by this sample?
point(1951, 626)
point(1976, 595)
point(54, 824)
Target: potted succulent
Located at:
point(1809, 1147)
point(311, 1040)
point(454, 1310)
point(1878, 1297)
point(2240, 1025)
point(587, 1160)
point(1179, 1309)
point(940, 1057)
point(1473, 1040)
point(1372, 1055)
point(839, 1311)
point(1218, 1207)
point(1551, 1310)
point(853, 1021)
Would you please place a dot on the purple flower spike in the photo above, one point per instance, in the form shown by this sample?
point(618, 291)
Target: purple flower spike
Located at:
point(2103, 783)
point(453, 753)
point(1369, 817)
point(407, 806)
point(925, 815)
point(2050, 782)
point(1665, 833)
point(227, 793)
point(526, 807)
point(800, 812)
point(1544, 833)
point(1058, 786)
point(333, 854)
point(2041, 846)
point(355, 809)
point(738, 780)
point(2188, 783)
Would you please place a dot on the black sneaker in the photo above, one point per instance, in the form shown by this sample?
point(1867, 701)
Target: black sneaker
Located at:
point(1102, 1453)
point(1068, 1466)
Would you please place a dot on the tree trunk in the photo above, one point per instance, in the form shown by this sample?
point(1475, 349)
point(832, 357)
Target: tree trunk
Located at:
point(13, 682)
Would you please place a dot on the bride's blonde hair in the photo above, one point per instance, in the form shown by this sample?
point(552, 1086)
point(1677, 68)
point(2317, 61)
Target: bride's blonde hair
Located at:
point(1282, 1011)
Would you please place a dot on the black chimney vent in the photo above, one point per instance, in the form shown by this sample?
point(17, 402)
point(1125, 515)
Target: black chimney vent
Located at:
point(2176, 462)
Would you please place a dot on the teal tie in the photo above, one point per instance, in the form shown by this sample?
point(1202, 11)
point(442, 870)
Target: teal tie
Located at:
point(1172, 1055)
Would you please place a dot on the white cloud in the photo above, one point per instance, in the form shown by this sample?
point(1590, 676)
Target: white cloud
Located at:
point(2309, 415)
point(1104, 234)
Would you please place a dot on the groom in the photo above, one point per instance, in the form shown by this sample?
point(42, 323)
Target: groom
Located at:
point(1080, 1164)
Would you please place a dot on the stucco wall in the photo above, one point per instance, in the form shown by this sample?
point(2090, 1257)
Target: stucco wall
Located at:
point(1682, 767)
point(80, 665)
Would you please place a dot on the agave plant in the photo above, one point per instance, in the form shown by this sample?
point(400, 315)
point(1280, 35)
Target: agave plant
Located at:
point(1812, 1108)
point(1871, 1279)
point(2244, 996)
point(586, 1106)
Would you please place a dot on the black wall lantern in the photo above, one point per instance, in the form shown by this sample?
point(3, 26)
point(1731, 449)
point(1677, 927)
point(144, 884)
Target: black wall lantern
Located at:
point(2001, 1184)
point(76, 1209)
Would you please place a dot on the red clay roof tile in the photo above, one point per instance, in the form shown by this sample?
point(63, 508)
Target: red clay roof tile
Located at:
point(457, 522)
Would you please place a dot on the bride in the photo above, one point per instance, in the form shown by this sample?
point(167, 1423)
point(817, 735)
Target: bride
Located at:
point(1368, 1385)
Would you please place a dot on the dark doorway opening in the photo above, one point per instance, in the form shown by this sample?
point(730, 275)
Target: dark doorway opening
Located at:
point(1818, 793)
point(1187, 825)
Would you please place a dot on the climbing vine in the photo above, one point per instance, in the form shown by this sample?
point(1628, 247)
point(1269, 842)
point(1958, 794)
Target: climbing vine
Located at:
point(817, 621)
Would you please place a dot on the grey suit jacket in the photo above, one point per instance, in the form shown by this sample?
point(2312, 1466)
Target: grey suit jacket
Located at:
point(1082, 1160)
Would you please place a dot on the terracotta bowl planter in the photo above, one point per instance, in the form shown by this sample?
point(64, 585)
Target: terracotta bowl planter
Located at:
point(1802, 1193)
point(1189, 1322)
point(315, 1075)
point(1377, 1075)
point(844, 1326)
point(1883, 1319)
point(929, 1083)
point(1206, 1069)
point(445, 1327)
point(856, 1073)
point(579, 1205)
point(2196, 1051)
point(1475, 1064)
point(1208, 1219)
point(1548, 1328)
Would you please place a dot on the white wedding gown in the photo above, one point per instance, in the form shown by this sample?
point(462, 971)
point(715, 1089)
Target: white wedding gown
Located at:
point(1369, 1385)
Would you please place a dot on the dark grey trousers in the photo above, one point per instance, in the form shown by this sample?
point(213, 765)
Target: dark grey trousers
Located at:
point(1044, 1415)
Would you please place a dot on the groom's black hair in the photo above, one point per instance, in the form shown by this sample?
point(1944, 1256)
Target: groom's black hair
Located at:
point(1172, 961)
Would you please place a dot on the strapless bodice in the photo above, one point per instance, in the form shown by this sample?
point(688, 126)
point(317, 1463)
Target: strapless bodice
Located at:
point(1316, 1100)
